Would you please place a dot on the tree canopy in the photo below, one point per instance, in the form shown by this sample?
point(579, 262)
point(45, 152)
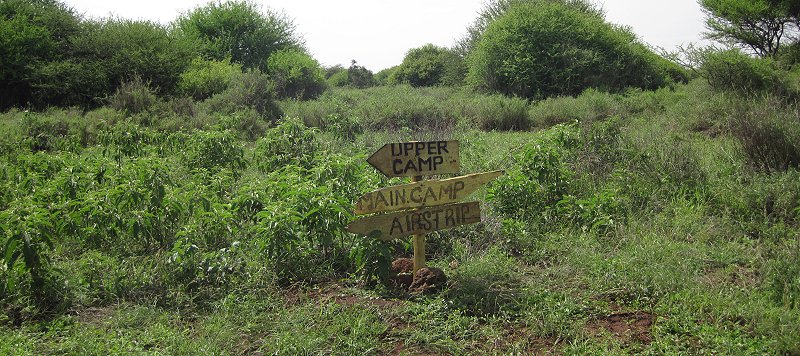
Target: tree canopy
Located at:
point(760, 26)
point(430, 65)
point(538, 49)
point(240, 31)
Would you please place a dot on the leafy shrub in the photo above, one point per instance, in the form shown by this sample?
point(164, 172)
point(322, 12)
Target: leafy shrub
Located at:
point(591, 105)
point(116, 51)
point(542, 49)
point(133, 97)
point(253, 91)
point(29, 233)
point(732, 70)
point(359, 77)
point(499, 113)
point(34, 35)
point(296, 74)
point(540, 180)
point(383, 77)
point(238, 30)
point(770, 138)
point(290, 142)
point(205, 78)
point(214, 151)
point(193, 268)
point(339, 79)
point(430, 65)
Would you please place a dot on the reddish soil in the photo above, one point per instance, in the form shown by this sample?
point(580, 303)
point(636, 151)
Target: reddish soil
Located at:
point(626, 327)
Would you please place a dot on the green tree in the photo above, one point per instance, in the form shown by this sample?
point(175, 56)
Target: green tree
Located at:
point(539, 49)
point(430, 65)
point(495, 8)
point(205, 78)
point(359, 77)
point(33, 34)
point(761, 26)
point(296, 74)
point(240, 31)
point(115, 51)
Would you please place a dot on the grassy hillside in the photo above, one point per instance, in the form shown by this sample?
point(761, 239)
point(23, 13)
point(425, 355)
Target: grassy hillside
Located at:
point(653, 221)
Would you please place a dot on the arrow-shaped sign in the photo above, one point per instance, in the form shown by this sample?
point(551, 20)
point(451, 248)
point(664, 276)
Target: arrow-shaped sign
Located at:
point(422, 194)
point(408, 159)
point(396, 225)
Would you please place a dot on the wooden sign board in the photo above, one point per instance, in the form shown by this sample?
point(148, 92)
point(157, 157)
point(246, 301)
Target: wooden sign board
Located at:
point(422, 194)
point(409, 159)
point(397, 225)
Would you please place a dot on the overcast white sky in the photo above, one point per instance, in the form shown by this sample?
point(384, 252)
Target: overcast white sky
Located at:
point(378, 33)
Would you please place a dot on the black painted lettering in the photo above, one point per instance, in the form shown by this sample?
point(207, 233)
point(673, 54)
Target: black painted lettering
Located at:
point(410, 167)
point(379, 198)
point(396, 225)
point(457, 187)
point(420, 147)
point(397, 166)
point(449, 217)
point(423, 162)
point(429, 193)
point(400, 196)
point(446, 190)
point(407, 147)
point(438, 212)
point(437, 160)
point(416, 195)
point(442, 147)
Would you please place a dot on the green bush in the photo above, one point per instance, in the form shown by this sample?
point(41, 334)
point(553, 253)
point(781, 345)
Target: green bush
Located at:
point(732, 70)
point(205, 78)
point(383, 77)
point(430, 65)
point(254, 90)
point(213, 151)
point(290, 142)
point(540, 49)
point(500, 113)
point(133, 97)
point(360, 77)
point(541, 178)
point(768, 131)
point(296, 74)
point(34, 35)
point(239, 31)
point(591, 105)
point(339, 79)
point(115, 51)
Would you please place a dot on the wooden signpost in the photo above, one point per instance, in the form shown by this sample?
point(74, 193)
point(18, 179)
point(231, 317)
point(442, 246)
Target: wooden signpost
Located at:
point(421, 206)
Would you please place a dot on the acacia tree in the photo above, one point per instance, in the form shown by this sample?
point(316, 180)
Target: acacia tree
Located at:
point(761, 26)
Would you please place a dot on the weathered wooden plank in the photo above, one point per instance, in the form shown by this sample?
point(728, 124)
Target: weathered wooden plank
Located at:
point(422, 194)
point(402, 224)
point(409, 159)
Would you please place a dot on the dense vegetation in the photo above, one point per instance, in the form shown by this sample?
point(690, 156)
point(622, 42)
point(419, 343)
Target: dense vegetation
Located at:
point(200, 204)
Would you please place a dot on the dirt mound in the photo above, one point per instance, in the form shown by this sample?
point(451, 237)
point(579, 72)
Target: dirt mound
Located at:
point(428, 280)
point(402, 265)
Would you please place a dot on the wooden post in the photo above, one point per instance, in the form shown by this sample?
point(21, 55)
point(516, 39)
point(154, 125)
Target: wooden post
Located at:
point(419, 242)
